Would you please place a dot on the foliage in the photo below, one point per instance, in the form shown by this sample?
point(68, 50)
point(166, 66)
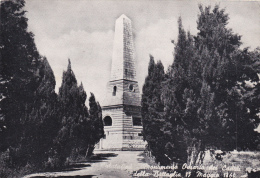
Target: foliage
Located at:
point(97, 128)
point(210, 96)
point(152, 109)
point(80, 128)
point(226, 69)
point(75, 126)
point(180, 99)
point(38, 129)
point(19, 61)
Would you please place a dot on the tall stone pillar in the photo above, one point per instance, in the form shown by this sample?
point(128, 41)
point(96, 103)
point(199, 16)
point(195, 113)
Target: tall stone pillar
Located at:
point(122, 106)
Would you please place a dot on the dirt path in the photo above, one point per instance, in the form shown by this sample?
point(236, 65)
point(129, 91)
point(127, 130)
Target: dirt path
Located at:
point(105, 164)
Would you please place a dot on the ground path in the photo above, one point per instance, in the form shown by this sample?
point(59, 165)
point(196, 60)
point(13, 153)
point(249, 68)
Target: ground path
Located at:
point(105, 164)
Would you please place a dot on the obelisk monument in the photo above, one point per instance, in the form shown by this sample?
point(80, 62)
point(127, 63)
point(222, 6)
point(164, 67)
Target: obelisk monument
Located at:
point(122, 106)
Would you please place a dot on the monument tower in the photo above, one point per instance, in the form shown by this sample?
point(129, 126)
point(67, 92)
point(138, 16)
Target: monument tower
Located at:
point(122, 106)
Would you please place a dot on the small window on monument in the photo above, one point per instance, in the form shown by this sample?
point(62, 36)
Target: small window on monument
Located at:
point(137, 121)
point(140, 134)
point(131, 87)
point(114, 91)
point(107, 121)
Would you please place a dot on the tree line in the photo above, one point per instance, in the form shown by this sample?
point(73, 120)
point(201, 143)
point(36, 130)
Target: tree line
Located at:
point(39, 129)
point(207, 99)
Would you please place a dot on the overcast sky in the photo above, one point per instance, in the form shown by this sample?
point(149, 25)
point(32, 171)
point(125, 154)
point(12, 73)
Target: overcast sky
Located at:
point(83, 30)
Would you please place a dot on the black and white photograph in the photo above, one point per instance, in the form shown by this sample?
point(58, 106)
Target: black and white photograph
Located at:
point(130, 88)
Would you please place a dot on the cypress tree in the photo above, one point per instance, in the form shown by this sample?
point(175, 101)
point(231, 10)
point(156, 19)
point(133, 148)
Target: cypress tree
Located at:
point(42, 125)
point(73, 114)
point(224, 69)
point(28, 100)
point(18, 64)
point(180, 98)
point(97, 128)
point(152, 110)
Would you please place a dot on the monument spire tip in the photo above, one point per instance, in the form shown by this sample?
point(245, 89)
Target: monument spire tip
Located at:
point(123, 16)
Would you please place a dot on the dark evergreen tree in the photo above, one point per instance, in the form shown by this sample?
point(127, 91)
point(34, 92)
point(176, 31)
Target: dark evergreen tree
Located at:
point(73, 115)
point(42, 126)
point(225, 67)
point(97, 128)
point(244, 99)
point(19, 59)
point(180, 99)
point(37, 128)
point(209, 95)
point(152, 110)
point(28, 100)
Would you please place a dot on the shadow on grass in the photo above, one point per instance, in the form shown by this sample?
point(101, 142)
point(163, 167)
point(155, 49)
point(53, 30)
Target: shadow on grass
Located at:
point(142, 159)
point(71, 167)
point(100, 157)
point(87, 176)
point(83, 164)
point(75, 167)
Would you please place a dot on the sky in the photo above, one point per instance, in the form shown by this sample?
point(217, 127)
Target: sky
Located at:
point(83, 31)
